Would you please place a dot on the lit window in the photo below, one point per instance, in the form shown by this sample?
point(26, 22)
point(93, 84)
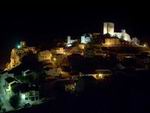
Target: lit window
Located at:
point(23, 96)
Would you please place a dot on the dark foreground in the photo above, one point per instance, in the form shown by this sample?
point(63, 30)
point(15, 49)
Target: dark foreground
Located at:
point(122, 93)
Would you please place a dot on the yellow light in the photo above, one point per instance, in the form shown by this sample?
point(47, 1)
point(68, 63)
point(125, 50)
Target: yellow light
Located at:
point(81, 46)
point(100, 75)
point(108, 43)
point(144, 45)
point(54, 59)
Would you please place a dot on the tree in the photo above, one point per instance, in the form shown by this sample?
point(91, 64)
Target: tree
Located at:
point(30, 61)
point(76, 62)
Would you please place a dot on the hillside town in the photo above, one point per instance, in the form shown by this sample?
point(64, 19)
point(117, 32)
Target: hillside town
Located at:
point(31, 74)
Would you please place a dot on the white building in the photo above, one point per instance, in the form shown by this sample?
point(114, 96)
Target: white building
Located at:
point(109, 28)
point(30, 98)
point(70, 41)
point(86, 38)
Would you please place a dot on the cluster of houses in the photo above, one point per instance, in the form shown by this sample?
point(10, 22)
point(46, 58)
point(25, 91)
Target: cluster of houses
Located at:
point(22, 83)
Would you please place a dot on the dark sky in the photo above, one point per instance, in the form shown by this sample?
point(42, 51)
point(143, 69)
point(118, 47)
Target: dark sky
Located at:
point(41, 25)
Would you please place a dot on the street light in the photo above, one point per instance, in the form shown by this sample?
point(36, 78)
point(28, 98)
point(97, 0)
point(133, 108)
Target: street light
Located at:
point(100, 75)
point(144, 45)
point(23, 96)
point(18, 46)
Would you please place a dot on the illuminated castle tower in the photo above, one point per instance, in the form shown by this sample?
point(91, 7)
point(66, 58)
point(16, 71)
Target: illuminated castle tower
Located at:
point(108, 28)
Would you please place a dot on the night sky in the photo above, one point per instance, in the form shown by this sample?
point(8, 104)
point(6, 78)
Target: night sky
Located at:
point(41, 25)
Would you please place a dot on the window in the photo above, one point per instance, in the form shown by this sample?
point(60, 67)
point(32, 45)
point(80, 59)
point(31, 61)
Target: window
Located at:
point(26, 98)
point(36, 98)
point(32, 98)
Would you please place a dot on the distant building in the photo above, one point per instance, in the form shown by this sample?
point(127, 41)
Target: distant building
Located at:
point(18, 53)
point(99, 74)
point(9, 81)
point(29, 96)
point(60, 50)
point(70, 41)
point(86, 38)
point(111, 42)
point(135, 41)
point(44, 56)
point(115, 42)
point(109, 28)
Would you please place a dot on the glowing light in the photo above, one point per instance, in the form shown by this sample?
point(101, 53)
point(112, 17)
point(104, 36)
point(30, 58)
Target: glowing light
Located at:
point(18, 46)
point(144, 45)
point(23, 96)
point(108, 28)
point(85, 39)
point(81, 46)
point(60, 51)
point(100, 75)
point(108, 43)
point(9, 88)
point(54, 59)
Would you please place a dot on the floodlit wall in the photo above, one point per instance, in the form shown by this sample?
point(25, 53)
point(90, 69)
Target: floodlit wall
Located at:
point(108, 28)
point(44, 55)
